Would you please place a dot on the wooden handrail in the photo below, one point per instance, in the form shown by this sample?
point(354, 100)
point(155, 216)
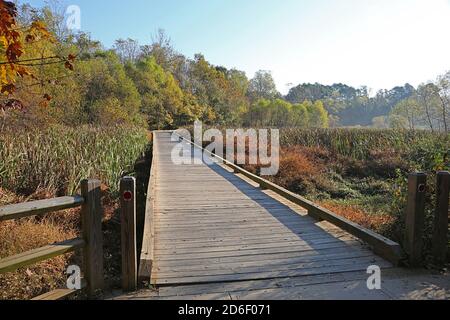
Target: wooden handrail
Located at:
point(91, 242)
point(33, 208)
point(13, 263)
point(60, 294)
point(384, 247)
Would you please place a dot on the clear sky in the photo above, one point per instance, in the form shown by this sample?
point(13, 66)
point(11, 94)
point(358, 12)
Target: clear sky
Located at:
point(378, 43)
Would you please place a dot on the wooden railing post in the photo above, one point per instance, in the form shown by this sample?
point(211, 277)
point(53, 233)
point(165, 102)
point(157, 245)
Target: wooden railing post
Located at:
point(440, 237)
point(91, 218)
point(415, 218)
point(128, 227)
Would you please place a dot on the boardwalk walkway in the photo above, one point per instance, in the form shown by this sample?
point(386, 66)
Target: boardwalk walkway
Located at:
point(217, 235)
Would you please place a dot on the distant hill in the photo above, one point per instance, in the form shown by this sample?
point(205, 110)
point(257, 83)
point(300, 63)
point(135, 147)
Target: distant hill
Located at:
point(349, 106)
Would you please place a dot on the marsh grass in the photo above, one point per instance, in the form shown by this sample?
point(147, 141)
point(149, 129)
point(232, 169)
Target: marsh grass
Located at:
point(38, 163)
point(58, 158)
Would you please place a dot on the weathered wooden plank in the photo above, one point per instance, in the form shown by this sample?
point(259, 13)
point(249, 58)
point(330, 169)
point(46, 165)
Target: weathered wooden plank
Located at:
point(247, 269)
point(345, 290)
point(299, 230)
point(91, 221)
point(60, 294)
point(300, 286)
point(229, 260)
point(252, 252)
point(269, 264)
point(223, 212)
point(13, 263)
point(128, 233)
point(174, 292)
point(244, 247)
point(272, 274)
point(28, 209)
point(215, 242)
point(235, 226)
point(190, 222)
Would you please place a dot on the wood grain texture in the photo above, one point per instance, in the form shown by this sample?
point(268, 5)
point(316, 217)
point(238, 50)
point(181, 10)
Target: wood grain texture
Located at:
point(28, 209)
point(13, 263)
point(415, 218)
point(91, 221)
point(60, 294)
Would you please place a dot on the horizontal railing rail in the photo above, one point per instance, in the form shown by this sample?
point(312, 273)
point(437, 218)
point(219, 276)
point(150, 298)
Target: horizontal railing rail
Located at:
point(25, 259)
point(384, 247)
point(91, 241)
point(34, 208)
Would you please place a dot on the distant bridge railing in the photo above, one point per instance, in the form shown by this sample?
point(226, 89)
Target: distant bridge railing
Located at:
point(91, 242)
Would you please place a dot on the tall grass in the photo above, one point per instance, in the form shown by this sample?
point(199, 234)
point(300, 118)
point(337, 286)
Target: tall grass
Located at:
point(58, 158)
point(361, 143)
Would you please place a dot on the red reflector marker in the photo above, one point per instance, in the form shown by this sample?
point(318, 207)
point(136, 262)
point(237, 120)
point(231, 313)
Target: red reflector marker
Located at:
point(128, 196)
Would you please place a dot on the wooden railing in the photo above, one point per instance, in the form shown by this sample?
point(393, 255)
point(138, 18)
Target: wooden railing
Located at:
point(91, 241)
point(415, 218)
point(383, 246)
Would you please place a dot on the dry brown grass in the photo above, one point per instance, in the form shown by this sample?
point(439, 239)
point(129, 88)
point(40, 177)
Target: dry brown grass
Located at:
point(301, 168)
point(7, 197)
point(27, 234)
point(376, 222)
point(30, 233)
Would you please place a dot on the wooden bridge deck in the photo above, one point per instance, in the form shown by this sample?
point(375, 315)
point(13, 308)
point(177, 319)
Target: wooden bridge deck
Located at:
point(213, 226)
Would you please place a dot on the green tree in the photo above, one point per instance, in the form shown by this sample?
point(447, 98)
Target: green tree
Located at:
point(318, 116)
point(106, 89)
point(217, 90)
point(409, 110)
point(262, 86)
point(163, 102)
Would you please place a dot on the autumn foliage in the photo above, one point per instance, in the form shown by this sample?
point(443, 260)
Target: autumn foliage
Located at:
point(15, 40)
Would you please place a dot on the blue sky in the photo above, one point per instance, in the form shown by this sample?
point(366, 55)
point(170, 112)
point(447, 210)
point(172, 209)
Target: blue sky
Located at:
point(378, 43)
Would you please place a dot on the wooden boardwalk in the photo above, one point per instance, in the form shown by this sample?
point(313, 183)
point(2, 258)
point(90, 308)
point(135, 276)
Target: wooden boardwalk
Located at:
point(213, 234)
point(212, 226)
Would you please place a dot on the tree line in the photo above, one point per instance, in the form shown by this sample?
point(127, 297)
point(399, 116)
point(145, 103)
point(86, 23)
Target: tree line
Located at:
point(51, 74)
point(428, 107)
point(425, 107)
point(147, 85)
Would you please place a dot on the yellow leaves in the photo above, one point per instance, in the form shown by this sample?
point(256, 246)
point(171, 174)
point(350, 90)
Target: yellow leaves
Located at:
point(15, 40)
point(7, 79)
point(3, 75)
point(3, 43)
point(38, 31)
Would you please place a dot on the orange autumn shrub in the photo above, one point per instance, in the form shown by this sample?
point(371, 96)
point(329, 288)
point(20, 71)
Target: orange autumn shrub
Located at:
point(376, 222)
